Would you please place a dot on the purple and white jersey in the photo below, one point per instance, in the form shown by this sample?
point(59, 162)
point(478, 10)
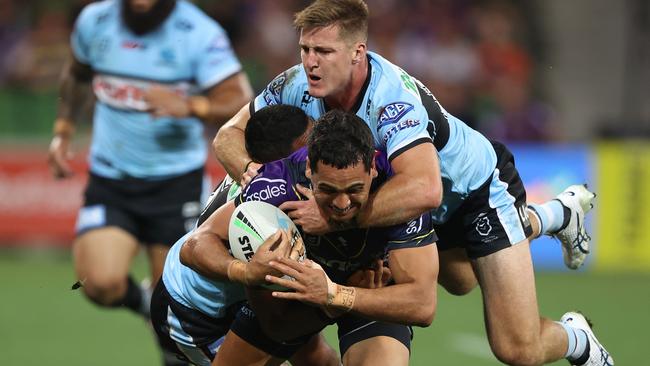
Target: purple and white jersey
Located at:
point(343, 252)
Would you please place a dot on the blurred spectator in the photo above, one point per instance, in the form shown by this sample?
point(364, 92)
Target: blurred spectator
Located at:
point(473, 54)
point(36, 61)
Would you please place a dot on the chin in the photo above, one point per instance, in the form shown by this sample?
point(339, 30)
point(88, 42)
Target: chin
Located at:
point(316, 92)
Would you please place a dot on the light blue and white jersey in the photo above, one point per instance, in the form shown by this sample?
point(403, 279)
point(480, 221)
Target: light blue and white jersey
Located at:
point(195, 291)
point(188, 53)
point(401, 113)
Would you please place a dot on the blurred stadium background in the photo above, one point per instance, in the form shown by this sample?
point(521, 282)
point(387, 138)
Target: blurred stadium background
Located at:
point(563, 83)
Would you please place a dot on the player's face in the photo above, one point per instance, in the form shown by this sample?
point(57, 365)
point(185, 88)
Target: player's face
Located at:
point(327, 60)
point(341, 193)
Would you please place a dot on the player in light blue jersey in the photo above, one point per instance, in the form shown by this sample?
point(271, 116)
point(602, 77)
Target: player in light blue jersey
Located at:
point(191, 311)
point(471, 185)
point(159, 70)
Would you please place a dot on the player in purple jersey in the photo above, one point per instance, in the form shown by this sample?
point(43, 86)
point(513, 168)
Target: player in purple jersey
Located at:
point(342, 166)
point(482, 218)
point(159, 70)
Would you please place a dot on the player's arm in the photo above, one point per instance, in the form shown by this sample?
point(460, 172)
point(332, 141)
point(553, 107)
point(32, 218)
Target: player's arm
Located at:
point(411, 300)
point(229, 144)
point(205, 251)
point(215, 106)
point(73, 96)
point(415, 188)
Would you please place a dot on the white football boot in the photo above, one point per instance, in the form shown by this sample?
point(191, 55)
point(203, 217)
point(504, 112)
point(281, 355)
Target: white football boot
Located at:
point(574, 237)
point(598, 355)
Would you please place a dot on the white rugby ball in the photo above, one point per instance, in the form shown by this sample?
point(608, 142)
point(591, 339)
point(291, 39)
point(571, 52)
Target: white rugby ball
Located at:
point(251, 224)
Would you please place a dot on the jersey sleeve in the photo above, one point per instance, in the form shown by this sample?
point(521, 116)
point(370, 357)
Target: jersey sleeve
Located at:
point(80, 39)
point(215, 58)
point(415, 233)
point(401, 125)
point(287, 88)
point(273, 185)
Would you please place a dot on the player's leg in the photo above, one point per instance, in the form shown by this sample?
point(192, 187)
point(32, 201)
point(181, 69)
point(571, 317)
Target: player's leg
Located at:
point(316, 352)
point(373, 343)
point(456, 274)
point(247, 344)
point(102, 258)
point(496, 240)
point(517, 334)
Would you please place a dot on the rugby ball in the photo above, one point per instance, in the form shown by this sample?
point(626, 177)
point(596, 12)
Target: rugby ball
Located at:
point(251, 224)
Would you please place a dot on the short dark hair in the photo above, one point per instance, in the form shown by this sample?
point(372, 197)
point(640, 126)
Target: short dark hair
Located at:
point(350, 15)
point(272, 131)
point(340, 139)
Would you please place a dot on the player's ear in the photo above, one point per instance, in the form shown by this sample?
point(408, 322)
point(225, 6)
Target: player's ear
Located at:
point(359, 52)
point(308, 170)
point(373, 168)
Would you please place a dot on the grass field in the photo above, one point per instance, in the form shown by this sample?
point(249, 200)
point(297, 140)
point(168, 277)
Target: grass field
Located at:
point(43, 322)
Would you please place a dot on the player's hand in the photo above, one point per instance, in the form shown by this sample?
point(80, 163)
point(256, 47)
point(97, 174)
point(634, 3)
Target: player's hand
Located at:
point(310, 282)
point(275, 247)
point(59, 155)
point(166, 102)
point(306, 213)
point(249, 174)
point(375, 277)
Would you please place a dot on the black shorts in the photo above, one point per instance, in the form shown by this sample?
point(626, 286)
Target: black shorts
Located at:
point(204, 332)
point(351, 330)
point(491, 218)
point(155, 212)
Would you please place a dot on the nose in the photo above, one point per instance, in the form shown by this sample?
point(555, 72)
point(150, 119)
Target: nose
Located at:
point(341, 202)
point(310, 59)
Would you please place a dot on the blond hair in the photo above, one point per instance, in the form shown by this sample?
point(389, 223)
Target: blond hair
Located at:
point(350, 15)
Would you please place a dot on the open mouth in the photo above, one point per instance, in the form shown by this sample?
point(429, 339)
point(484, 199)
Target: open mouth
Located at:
point(314, 77)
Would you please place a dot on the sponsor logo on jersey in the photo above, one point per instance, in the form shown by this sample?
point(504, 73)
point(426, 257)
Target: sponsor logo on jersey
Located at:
point(306, 99)
point(273, 90)
point(393, 112)
point(402, 125)
point(184, 25)
point(125, 93)
point(134, 45)
point(264, 189)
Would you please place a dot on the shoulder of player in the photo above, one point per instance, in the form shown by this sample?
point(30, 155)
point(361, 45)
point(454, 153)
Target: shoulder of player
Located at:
point(391, 81)
point(189, 18)
point(96, 13)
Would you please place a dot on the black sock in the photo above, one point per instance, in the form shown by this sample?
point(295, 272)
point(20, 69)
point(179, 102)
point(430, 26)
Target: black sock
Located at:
point(567, 217)
point(582, 359)
point(132, 298)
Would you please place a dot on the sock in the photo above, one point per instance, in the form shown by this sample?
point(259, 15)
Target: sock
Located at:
point(578, 350)
point(553, 216)
point(132, 298)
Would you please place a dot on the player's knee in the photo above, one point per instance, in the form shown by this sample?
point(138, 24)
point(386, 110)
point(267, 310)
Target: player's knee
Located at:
point(459, 287)
point(518, 353)
point(105, 290)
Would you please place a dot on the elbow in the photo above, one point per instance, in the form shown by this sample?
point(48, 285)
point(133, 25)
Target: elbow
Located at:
point(424, 316)
point(432, 198)
point(425, 310)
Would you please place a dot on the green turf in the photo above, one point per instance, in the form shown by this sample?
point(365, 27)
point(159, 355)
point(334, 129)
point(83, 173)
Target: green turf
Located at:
point(43, 322)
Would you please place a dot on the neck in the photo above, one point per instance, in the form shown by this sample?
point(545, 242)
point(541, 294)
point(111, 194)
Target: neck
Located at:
point(347, 97)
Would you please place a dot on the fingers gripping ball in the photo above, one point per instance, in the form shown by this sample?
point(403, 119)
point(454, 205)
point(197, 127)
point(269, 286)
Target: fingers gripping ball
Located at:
point(252, 223)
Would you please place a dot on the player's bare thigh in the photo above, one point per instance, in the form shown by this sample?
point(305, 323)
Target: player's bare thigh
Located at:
point(102, 258)
point(377, 351)
point(507, 283)
point(235, 351)
point(157, 254)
